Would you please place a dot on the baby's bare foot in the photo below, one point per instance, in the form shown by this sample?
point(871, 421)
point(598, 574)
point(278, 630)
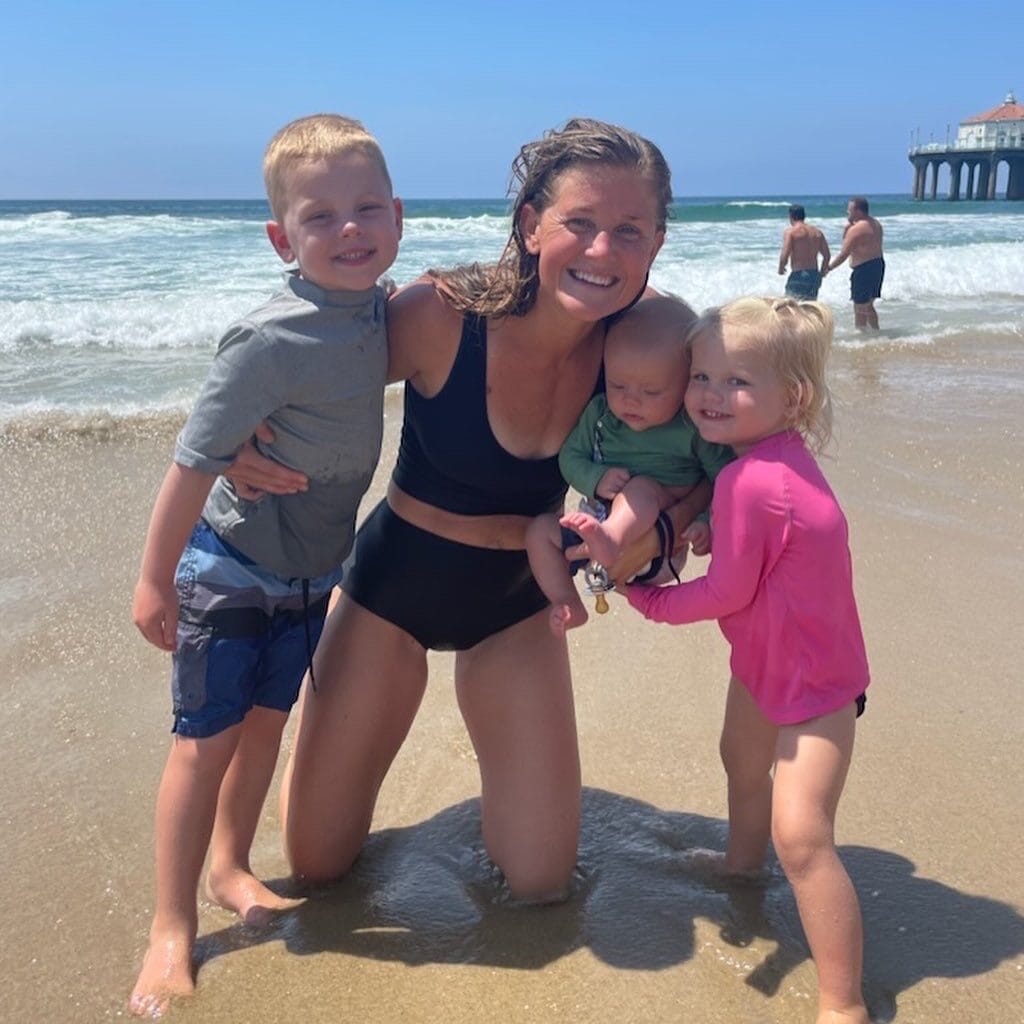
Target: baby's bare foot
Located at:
point(247, 896)
point(565, 616)
point(166, 974)
point(603, 548)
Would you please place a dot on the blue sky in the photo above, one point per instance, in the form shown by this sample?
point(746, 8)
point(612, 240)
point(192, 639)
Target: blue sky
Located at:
point(167, 99)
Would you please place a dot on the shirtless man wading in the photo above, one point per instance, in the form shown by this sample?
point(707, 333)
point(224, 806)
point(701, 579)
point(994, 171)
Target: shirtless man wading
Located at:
point(802, 244)
point(862, 243)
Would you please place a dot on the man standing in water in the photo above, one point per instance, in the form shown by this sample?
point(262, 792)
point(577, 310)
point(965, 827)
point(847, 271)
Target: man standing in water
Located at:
point(862, 243)
point(802, 244)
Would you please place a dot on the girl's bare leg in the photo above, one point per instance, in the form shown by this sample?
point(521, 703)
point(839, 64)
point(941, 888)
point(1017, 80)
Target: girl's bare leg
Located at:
point(230, 881)
point(185, 806)
point(370, 679)
point(747, 749)
point(812, 760)
point(515, 693)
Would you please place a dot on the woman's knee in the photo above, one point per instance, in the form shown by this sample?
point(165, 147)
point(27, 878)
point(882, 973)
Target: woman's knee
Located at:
point(540, 876)
point(317, 855)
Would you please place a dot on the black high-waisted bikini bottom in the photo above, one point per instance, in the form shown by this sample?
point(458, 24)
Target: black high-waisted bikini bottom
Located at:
point(447, 596)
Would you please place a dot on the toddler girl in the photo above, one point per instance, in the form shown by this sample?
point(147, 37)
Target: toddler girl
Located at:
point(780, 585)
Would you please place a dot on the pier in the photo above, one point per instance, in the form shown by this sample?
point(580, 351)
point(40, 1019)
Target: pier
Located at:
point(983, 143)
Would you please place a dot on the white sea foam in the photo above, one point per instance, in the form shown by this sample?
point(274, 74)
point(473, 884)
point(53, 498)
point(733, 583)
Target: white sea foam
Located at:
point(119, 313)
point(758, 202)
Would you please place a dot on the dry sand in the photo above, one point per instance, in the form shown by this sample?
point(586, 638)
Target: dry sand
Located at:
point(928, 467)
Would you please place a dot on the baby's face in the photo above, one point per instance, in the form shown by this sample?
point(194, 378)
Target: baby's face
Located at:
point(645, 387)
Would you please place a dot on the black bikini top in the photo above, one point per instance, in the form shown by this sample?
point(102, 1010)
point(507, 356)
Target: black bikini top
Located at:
point(449, 456)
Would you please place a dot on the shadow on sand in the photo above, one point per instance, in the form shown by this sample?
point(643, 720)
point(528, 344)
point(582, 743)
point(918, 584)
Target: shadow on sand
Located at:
point(428, 894)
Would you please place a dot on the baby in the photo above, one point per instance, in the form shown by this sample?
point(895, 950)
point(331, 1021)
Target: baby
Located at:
point(633, 453)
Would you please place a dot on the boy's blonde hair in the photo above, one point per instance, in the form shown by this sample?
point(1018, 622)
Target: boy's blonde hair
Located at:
point(315, 137)
point(795, 337)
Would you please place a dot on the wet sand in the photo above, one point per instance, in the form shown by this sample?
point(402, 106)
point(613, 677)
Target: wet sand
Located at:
point(928, 466)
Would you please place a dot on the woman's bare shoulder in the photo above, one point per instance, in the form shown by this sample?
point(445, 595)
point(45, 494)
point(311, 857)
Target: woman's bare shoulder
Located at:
point(423, 330)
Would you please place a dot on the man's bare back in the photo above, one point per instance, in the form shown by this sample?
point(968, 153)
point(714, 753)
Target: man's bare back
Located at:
point(802, 244)
point(805, 244)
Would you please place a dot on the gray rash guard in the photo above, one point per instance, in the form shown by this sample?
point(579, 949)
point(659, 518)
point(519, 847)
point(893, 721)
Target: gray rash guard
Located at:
point(313, 364)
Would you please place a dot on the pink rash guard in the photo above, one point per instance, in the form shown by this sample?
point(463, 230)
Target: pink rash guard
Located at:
point(780, 584)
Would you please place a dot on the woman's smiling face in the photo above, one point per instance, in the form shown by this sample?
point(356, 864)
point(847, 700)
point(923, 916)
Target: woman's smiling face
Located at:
point(596, 241)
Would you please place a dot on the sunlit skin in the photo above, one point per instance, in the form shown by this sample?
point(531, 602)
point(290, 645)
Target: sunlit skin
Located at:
point(645, 381)
point(341, 223)
point(784, 781)
point(595, 242)
point(646, 370)
point(734, 396)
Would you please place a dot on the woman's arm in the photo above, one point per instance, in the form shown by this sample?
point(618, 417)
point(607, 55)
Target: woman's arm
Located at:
point(423, 334)
point(254, 475)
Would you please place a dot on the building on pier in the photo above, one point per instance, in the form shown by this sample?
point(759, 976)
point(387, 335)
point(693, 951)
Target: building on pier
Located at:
point(982, 144)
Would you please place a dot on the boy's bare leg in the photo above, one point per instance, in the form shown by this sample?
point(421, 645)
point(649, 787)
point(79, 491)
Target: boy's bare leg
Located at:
point(551, 571)
point(633, 512)
point(230, 881)
point(747, 748)
point(811, 765)
point(185, 806)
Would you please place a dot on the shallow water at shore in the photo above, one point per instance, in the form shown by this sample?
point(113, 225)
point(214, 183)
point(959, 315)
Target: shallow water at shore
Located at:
point(928, 467)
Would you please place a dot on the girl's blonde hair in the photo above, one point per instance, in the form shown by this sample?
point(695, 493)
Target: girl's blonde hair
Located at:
point(315, 137)
point(795, 337)
point(509, 287)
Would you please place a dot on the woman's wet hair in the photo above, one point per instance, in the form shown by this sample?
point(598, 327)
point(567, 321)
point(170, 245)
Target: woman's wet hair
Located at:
point(509, 287)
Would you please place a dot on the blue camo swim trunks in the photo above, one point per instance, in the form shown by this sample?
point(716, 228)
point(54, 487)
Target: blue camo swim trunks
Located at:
point(245, 635)
point(803, 284)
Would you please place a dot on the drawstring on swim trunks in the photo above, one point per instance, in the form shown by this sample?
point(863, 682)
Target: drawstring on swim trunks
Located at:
point(309, 634)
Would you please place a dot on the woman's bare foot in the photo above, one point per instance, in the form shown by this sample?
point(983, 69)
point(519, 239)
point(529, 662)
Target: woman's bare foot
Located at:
point(603, 548)
point(166, 974)
point(247, 896)
point(566, 616)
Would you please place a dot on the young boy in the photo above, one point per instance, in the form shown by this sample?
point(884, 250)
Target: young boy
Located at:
point(633, 453)
point(244, 608)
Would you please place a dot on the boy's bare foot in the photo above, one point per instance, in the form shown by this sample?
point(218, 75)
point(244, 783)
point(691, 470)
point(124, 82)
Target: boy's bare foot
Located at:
point(600, 544)
point(166, 974)
point(847, 1015)
point(247, 896)
point(566, 616)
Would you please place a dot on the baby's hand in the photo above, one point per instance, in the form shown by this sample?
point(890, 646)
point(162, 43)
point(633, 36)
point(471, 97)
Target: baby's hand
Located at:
point(612, 482)
point(698, 536)
point(155, 612)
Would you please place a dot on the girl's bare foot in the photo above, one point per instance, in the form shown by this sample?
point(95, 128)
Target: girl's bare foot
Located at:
point(240, 891)
point(166, 974)
point(566, 616)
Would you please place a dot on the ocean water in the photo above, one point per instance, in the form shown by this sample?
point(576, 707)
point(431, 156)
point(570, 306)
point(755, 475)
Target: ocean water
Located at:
point(113, 308)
